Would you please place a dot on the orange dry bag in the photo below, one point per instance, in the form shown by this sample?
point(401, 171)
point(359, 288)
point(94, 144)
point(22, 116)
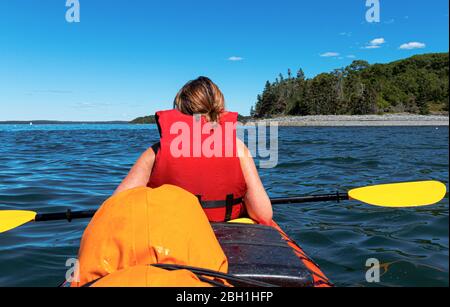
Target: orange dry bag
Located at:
point(144, 226)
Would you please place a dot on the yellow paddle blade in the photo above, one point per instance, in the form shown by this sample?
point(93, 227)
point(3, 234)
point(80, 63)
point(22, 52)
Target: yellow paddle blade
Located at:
point(399, 195)
point(243, 221)
point(13, 219)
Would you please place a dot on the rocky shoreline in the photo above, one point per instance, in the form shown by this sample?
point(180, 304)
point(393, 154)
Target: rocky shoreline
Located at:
point(358, 120)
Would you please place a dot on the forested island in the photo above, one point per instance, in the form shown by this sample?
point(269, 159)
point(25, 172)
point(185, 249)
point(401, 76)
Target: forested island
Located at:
point(144, 120)
point(417, 85)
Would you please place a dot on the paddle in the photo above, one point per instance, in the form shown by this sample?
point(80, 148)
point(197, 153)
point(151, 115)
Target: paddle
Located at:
point(397, 195)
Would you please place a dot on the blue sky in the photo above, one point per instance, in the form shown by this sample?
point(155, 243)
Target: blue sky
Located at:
point(129, 58)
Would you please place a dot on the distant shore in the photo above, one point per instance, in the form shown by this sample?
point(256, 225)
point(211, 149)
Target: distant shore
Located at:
point(298, 121)
point(358, 120)
point(55, 122)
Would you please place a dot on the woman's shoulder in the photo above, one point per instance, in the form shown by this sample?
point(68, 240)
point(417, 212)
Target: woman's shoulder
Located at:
point(242, 150)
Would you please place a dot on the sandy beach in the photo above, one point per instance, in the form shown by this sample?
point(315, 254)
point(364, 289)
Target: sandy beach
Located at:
point(360, 120)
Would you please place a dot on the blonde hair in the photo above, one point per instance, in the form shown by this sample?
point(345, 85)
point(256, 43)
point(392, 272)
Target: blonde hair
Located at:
point(201, 96)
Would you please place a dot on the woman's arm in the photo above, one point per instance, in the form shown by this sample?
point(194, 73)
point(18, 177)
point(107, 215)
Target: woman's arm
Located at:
point(257, 201)
point(139, 175)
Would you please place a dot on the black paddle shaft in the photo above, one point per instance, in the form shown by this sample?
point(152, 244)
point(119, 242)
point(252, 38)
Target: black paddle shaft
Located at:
point(70, 215)
point(311, 199)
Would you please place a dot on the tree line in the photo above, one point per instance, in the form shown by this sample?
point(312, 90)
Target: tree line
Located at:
point(418, 84)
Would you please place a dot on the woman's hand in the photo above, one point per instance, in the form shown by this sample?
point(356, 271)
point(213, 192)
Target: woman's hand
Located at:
point(139, 175)
point(257, 201)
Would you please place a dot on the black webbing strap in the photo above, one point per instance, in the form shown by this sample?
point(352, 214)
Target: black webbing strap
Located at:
point(229, 206)
point(219, 203)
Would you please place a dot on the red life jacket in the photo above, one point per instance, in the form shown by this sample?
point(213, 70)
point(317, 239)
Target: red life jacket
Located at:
point(217, 180)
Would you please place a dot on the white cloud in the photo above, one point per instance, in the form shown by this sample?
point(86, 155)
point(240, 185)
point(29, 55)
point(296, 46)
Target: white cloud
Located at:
point(412, 45)
point(377, 41)
point(329, 54)
point(351, 56)
point(235, 58)
point(372, 47)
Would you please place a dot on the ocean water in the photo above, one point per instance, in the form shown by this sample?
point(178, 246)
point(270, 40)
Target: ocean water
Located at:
point(53, 168)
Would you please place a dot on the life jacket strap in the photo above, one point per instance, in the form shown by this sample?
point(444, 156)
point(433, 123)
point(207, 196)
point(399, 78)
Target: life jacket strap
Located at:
point(229, 207)
point(220, 203)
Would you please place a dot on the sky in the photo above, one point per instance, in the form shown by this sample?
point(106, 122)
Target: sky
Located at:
point(129, 58)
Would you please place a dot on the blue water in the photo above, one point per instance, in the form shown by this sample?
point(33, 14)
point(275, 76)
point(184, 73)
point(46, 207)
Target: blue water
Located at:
point(53, 168)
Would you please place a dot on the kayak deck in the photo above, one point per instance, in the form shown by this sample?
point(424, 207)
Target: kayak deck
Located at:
point(266, 254)
point(260, 253)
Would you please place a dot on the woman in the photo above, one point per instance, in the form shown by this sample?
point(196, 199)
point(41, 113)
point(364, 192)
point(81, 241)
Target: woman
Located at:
point(212, 163)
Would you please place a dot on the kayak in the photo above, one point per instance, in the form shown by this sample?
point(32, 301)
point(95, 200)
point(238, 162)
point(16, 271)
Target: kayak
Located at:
point(266, 254)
